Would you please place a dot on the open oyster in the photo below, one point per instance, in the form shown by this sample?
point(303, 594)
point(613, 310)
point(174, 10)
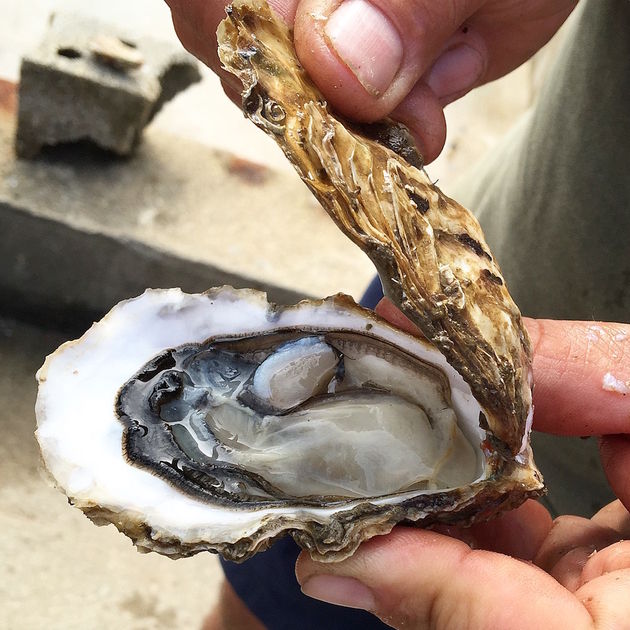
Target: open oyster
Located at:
point(219, 421)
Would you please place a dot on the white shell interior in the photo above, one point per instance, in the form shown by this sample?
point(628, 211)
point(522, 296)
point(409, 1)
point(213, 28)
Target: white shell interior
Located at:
point(80, 435)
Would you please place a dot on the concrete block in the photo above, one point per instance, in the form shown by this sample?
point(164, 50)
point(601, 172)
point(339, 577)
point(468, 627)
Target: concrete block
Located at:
point(89, 81)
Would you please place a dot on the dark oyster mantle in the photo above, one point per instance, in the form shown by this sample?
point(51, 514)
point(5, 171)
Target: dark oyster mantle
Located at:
point(235, 422)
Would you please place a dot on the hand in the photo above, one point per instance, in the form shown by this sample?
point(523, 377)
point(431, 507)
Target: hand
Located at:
point(521, 570)
point(404, 58)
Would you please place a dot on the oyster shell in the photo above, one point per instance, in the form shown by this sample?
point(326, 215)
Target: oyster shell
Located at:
point(429, 250)
point(220, 422)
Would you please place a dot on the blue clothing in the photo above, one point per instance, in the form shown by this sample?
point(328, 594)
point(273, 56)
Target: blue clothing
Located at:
point(373, 294)
point(267, 584)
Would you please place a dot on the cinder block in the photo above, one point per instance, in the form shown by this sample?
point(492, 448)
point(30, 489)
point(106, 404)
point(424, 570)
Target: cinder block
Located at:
point(88, 81)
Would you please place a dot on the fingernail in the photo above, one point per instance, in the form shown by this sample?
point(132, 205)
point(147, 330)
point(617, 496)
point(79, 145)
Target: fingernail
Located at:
point(342, 591)
point(367, 42)
point(455, 72)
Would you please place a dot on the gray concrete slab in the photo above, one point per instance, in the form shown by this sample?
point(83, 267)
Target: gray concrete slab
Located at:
point(58, 570)
point(81, 230)
point(24, 23)
point(202, 113)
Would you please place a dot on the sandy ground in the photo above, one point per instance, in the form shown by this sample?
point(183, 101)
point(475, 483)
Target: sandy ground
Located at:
point(57, 570)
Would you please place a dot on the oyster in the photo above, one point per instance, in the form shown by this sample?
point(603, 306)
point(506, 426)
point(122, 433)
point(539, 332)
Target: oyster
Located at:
point(219, 421)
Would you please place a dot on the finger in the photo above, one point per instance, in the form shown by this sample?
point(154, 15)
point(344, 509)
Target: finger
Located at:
point(606, 599)
point(615, 516)
point(196, 23)
point(615, 454)
point(386, 309)
point(368, 59)
point(368, 56)
point(232, 94)
point(207, 11)
point(422, 113)
point(518, 533)
point(615, 557)
point(568, 546)
point(580, 369)
point(416, 579)
point(513, 32)
point(285, 9)
point(377, 51)
point(582, 377)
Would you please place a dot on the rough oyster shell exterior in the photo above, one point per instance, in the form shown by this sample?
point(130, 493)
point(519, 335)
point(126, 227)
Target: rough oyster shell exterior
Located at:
point(429, 250)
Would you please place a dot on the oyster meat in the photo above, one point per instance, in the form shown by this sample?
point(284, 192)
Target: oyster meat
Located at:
point(220, 421)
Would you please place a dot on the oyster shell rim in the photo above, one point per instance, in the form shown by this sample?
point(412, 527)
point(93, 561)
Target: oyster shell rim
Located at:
point(446, 297)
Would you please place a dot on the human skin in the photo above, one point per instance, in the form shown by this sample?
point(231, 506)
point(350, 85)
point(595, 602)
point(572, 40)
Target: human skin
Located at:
point(401, 58)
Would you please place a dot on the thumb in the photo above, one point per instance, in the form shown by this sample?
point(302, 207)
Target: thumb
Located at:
point(368, 56)
point(416, 579)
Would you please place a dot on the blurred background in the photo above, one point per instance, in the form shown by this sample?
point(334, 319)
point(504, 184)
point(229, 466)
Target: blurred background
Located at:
point(205, 199)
